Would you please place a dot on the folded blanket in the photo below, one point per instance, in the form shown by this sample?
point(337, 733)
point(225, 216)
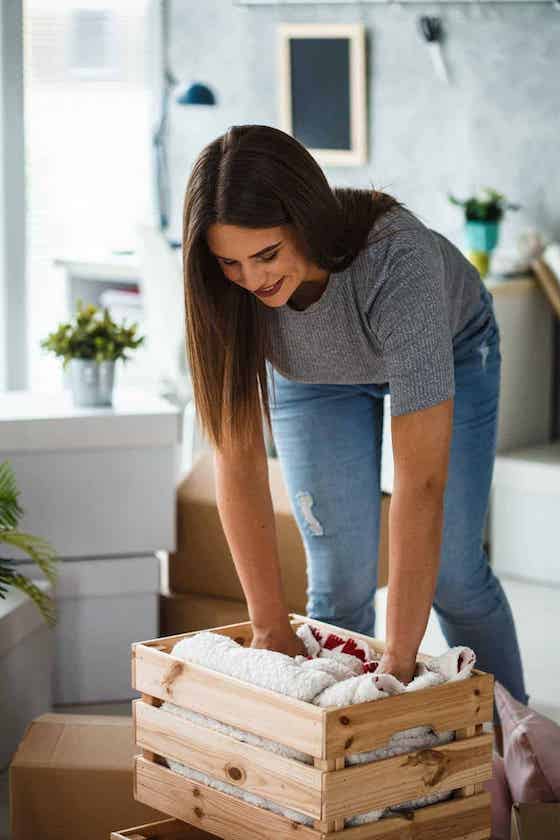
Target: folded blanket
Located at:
point(337, 671)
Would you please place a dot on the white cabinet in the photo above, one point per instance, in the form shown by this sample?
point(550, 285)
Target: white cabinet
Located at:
point(94, 481)
point(524, 513)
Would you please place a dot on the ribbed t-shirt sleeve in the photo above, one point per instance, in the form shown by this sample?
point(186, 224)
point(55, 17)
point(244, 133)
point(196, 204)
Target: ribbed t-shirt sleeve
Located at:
point(410, 320)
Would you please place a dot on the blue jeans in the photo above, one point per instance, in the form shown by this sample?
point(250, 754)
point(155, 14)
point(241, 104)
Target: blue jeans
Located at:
point(328, 439)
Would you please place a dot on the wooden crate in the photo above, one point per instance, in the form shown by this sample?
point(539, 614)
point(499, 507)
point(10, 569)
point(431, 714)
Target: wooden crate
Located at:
point(325, 791)
point(164, 830)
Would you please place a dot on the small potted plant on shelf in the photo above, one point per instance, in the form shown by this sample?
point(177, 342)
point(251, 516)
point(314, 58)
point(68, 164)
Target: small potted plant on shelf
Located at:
point(36, 548)
point(483, 214)
point(90, 345)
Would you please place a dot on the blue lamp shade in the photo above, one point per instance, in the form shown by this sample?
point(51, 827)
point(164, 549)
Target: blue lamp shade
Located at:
point(195, 94)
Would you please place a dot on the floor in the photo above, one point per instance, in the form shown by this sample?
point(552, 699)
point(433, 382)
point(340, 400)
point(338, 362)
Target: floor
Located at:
point(535, 608)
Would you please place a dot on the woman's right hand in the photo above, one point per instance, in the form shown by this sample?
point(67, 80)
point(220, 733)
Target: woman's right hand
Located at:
point(282, 641)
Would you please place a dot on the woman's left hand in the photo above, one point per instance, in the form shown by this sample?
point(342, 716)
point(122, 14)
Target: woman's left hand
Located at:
point(401, 668)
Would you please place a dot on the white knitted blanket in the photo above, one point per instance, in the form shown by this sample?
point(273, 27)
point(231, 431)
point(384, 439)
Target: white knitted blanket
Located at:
point(338, 671)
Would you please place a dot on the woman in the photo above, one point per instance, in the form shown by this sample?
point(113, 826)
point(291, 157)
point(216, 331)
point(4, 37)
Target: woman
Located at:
point(309, 304)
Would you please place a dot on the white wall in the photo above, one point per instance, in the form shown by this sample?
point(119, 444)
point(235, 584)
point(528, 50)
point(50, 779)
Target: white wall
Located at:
point(497, 123)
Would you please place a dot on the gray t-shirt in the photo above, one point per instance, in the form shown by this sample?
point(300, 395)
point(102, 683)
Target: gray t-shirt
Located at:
point(389, 318)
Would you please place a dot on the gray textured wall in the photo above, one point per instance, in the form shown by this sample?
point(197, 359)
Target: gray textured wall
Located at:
point(497, 123)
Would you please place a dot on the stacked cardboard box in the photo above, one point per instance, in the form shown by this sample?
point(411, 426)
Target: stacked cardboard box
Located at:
point(535, 821)
point(71, 777)
point(203, 588)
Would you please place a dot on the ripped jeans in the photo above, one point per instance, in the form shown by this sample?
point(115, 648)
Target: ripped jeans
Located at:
point(328, 439)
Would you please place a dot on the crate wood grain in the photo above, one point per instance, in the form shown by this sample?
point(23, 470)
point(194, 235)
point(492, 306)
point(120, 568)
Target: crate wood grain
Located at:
point(231, 818)
point(324, 790)
point(164, 830)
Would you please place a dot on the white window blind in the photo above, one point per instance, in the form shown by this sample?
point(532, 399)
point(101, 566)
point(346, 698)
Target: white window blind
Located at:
point(89, 97)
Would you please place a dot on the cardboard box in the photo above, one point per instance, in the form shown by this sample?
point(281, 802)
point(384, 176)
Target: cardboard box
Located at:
point(71, 777)
point(203, 564)
point(184, 613)
point(535, 821)
point(26, 665)
point(103, 604)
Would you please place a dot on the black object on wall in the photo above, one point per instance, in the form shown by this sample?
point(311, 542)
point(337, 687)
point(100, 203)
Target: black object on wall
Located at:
point(321, 92)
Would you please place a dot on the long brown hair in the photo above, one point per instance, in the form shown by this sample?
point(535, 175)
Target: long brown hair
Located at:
point(255, 176)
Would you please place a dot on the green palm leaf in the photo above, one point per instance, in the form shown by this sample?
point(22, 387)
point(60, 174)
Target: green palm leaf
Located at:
point(37, 548)
point(10, 511)
point(44, 603)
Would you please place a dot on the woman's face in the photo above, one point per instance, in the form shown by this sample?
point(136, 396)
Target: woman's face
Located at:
point(265, 261)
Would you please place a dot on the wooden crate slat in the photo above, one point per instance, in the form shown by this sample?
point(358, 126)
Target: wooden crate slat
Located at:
point(390, 781)
point(464, 819)
point(283, 780)
point(450, 706)
point(241, 632)
point(232, 819)
point(292, 722)
point(324, 824)
point(164, 830)
point(460, 734)
point(212, 810)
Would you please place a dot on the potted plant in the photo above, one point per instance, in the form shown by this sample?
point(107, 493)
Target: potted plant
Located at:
point(483, 214)
point(36, 548)
point(90, 344)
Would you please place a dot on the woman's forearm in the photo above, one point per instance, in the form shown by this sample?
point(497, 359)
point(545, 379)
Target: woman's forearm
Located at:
point(246, 512)
point(415, 535)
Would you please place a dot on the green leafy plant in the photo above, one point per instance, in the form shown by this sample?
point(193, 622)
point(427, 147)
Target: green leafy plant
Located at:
point(487, 206)
point(36, 548)
point(92, 334)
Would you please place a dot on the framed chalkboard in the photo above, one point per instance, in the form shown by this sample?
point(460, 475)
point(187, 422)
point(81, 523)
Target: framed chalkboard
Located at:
point(322, 84)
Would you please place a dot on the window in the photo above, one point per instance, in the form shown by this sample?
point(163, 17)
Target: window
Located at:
point(89, 113)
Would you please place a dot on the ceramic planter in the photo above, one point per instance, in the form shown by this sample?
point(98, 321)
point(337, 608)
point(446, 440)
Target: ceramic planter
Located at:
point(92, 382)
point(481, 239)
point(482, 236)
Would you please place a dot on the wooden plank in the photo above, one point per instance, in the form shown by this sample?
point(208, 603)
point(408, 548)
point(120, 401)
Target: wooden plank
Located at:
point(150, 755)
point(457, 819)
point(283, 780)
point(367, 726)
point(460, 734)
point(464, 819)
point(275, 716)
point(379, 784)
point(241, 632)
point(211, 810)
point(165, 830)
point(324, 824)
